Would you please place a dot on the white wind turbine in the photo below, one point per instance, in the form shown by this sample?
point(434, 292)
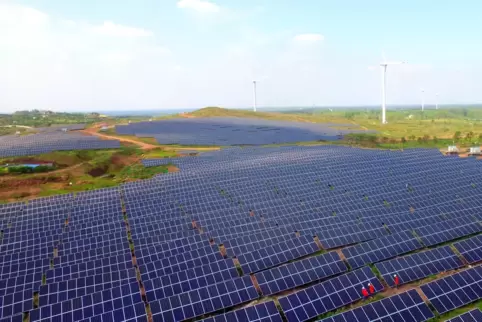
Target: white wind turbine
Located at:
point(423, 99)
point(254, 96)
point(384, 66)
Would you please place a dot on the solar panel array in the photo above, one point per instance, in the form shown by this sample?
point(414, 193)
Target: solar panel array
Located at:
point(419, 265)
point(233, 131)
point(407, 306)
point(45, 142)
point(241, 224)
point(456, 290)
point(471, 249)
point(474, 315)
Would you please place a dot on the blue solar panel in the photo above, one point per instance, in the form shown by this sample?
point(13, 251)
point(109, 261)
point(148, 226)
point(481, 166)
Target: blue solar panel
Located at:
point(419, 265)
point(328, 296)
point(407, 306)
point(204, 300)
point(277, 254)
point(262, 312)
point(474, 315)
point(455, 290)
point(438, 233)
point(299, 273)
point(187, 280)
point(380, 249)
point(470, 249)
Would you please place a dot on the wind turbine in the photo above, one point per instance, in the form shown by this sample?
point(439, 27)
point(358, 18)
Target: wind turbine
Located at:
point(384, 66)
point(436, 101)
point(254, 96)
point(423, 99)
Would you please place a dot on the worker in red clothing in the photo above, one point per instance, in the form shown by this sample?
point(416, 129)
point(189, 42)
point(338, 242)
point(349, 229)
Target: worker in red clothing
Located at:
point(365, 292)
point(396, 280)
point(371, 288)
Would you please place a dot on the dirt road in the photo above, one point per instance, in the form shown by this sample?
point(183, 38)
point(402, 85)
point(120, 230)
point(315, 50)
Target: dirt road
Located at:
point(142, 145)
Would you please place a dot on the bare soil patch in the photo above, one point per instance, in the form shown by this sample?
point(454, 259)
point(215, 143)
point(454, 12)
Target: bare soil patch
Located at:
point(172, 168)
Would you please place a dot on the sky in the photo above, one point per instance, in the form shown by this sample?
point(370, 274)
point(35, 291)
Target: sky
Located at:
point(184, 54)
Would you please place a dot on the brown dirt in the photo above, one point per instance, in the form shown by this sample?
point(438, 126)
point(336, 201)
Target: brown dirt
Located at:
point(186, 115)
point(172, 168)
point(93, 131)
point(340, 253)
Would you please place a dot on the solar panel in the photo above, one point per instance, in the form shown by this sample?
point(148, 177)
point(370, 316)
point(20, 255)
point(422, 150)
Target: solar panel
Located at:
point(73, 288)
point(470, 249)
point(407, 306)
point(277, 254)
point(455, 290)
point(350, 235)
point(204, 300)
point(91, 305)
point(328, 296)
point(474, 315)
point(299, 273)
point(419, 265)
point(12, 304)
point(262, 312)
point(379, 249)
point(128, 313)
point(162, 286)
point(438, 233)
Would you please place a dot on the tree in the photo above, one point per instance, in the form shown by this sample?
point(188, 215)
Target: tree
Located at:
point(403, 140)
point(457, 135)
point(469, 135)
point(480, 136)
point(426, 137)
point(435, 139)
point(419, 140)
point(411, 137)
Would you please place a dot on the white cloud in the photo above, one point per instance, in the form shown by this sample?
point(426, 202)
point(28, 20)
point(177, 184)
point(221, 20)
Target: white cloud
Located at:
point(200, 6)
point(22, 16)
point(309, 38)
point(111, 29)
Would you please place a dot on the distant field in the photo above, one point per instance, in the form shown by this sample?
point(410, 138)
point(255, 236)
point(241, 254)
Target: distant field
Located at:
point(409, 128)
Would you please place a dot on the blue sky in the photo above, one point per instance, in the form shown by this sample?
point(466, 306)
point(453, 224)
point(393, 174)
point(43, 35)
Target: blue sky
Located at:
point(170, 54)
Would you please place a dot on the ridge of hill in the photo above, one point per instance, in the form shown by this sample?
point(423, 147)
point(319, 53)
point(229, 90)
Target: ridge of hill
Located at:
point(213, 111)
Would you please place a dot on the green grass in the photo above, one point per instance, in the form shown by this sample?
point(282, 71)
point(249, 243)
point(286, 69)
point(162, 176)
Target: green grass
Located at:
point(159, 153)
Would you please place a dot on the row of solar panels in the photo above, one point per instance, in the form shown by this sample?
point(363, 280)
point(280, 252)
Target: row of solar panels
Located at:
point(33, 144)
point(226, 131)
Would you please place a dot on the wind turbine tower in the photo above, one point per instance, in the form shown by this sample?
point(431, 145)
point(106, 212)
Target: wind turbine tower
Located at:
point(436, 101)
point(384, 66)
point(423, 99)
point(254, 96)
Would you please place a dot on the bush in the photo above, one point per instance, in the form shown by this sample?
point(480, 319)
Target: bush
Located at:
point(20, 169)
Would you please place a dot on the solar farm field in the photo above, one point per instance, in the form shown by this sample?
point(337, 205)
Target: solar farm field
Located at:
point(255, 234)
point(49, 140)
point(226, 131)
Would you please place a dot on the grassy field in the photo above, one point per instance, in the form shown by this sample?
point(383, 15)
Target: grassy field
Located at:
point(79, 171)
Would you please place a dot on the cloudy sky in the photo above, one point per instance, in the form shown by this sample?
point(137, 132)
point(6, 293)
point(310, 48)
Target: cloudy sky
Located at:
point(169, 54)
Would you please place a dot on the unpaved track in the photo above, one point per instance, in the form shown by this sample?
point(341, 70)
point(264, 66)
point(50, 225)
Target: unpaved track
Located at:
point(142, 145)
